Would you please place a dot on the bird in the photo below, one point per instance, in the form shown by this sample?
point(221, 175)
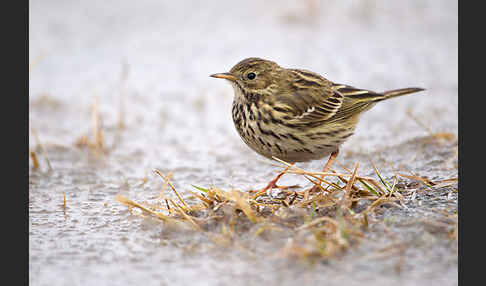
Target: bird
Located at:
point(296, 115)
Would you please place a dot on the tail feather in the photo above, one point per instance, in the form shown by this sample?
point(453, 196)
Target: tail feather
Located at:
point(371, 96)
point(401, 91)
point(364, 100)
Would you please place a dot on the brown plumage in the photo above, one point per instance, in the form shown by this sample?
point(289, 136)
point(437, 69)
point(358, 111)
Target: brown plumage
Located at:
point(296, 115)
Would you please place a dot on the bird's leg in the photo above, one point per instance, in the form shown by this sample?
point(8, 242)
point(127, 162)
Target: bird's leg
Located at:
point(330, 161)
point(272, 184)
point(328, 165)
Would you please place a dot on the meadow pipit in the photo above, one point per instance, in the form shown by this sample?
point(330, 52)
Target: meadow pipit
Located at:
point(293, 114)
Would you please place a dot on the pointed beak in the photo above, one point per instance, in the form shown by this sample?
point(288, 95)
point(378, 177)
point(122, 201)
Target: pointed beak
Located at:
point(225, 75)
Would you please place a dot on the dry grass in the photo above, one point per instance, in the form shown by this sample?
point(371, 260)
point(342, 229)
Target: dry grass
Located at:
point(64, 203)
point(318, 225)
point(123, 90)
point(35, 162)
point(95, 142)
point(39, 144)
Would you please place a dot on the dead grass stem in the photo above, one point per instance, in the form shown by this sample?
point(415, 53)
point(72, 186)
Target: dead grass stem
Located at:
point(41, 146)
point(35, 162)
point(324, 220)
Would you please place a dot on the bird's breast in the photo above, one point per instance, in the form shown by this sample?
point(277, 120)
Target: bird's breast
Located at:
point(261, 129)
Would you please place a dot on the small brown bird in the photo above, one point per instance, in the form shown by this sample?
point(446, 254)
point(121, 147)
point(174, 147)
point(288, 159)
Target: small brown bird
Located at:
point(293, 114)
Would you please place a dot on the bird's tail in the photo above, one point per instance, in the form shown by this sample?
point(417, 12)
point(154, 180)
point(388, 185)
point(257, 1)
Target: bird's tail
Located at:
point(371, 96)
point(401, 91)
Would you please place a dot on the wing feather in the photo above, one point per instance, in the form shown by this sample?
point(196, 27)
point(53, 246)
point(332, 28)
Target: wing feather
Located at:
point(311, 100)
point(314, 100)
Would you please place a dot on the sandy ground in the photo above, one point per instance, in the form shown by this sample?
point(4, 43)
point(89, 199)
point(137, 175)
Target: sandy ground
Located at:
point(157, 57)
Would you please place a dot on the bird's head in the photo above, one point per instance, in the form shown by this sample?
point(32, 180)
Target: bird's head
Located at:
point(253, 76)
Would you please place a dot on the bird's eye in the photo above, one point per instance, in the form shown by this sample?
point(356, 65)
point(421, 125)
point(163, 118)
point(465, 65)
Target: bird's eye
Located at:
point(251, 75)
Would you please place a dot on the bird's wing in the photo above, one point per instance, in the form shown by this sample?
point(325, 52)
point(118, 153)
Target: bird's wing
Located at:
point(355, 101)
point(357, 94)
point(311, 100)
point(308, 100)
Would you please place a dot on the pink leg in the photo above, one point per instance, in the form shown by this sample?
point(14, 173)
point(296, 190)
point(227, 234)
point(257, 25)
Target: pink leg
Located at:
point(328, 165)
point(273, 183)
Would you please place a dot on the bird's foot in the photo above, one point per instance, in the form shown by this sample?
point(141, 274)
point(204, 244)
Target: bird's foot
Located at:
point(273, 184)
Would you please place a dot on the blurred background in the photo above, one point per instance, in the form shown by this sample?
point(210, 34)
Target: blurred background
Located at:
point(147, 64)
